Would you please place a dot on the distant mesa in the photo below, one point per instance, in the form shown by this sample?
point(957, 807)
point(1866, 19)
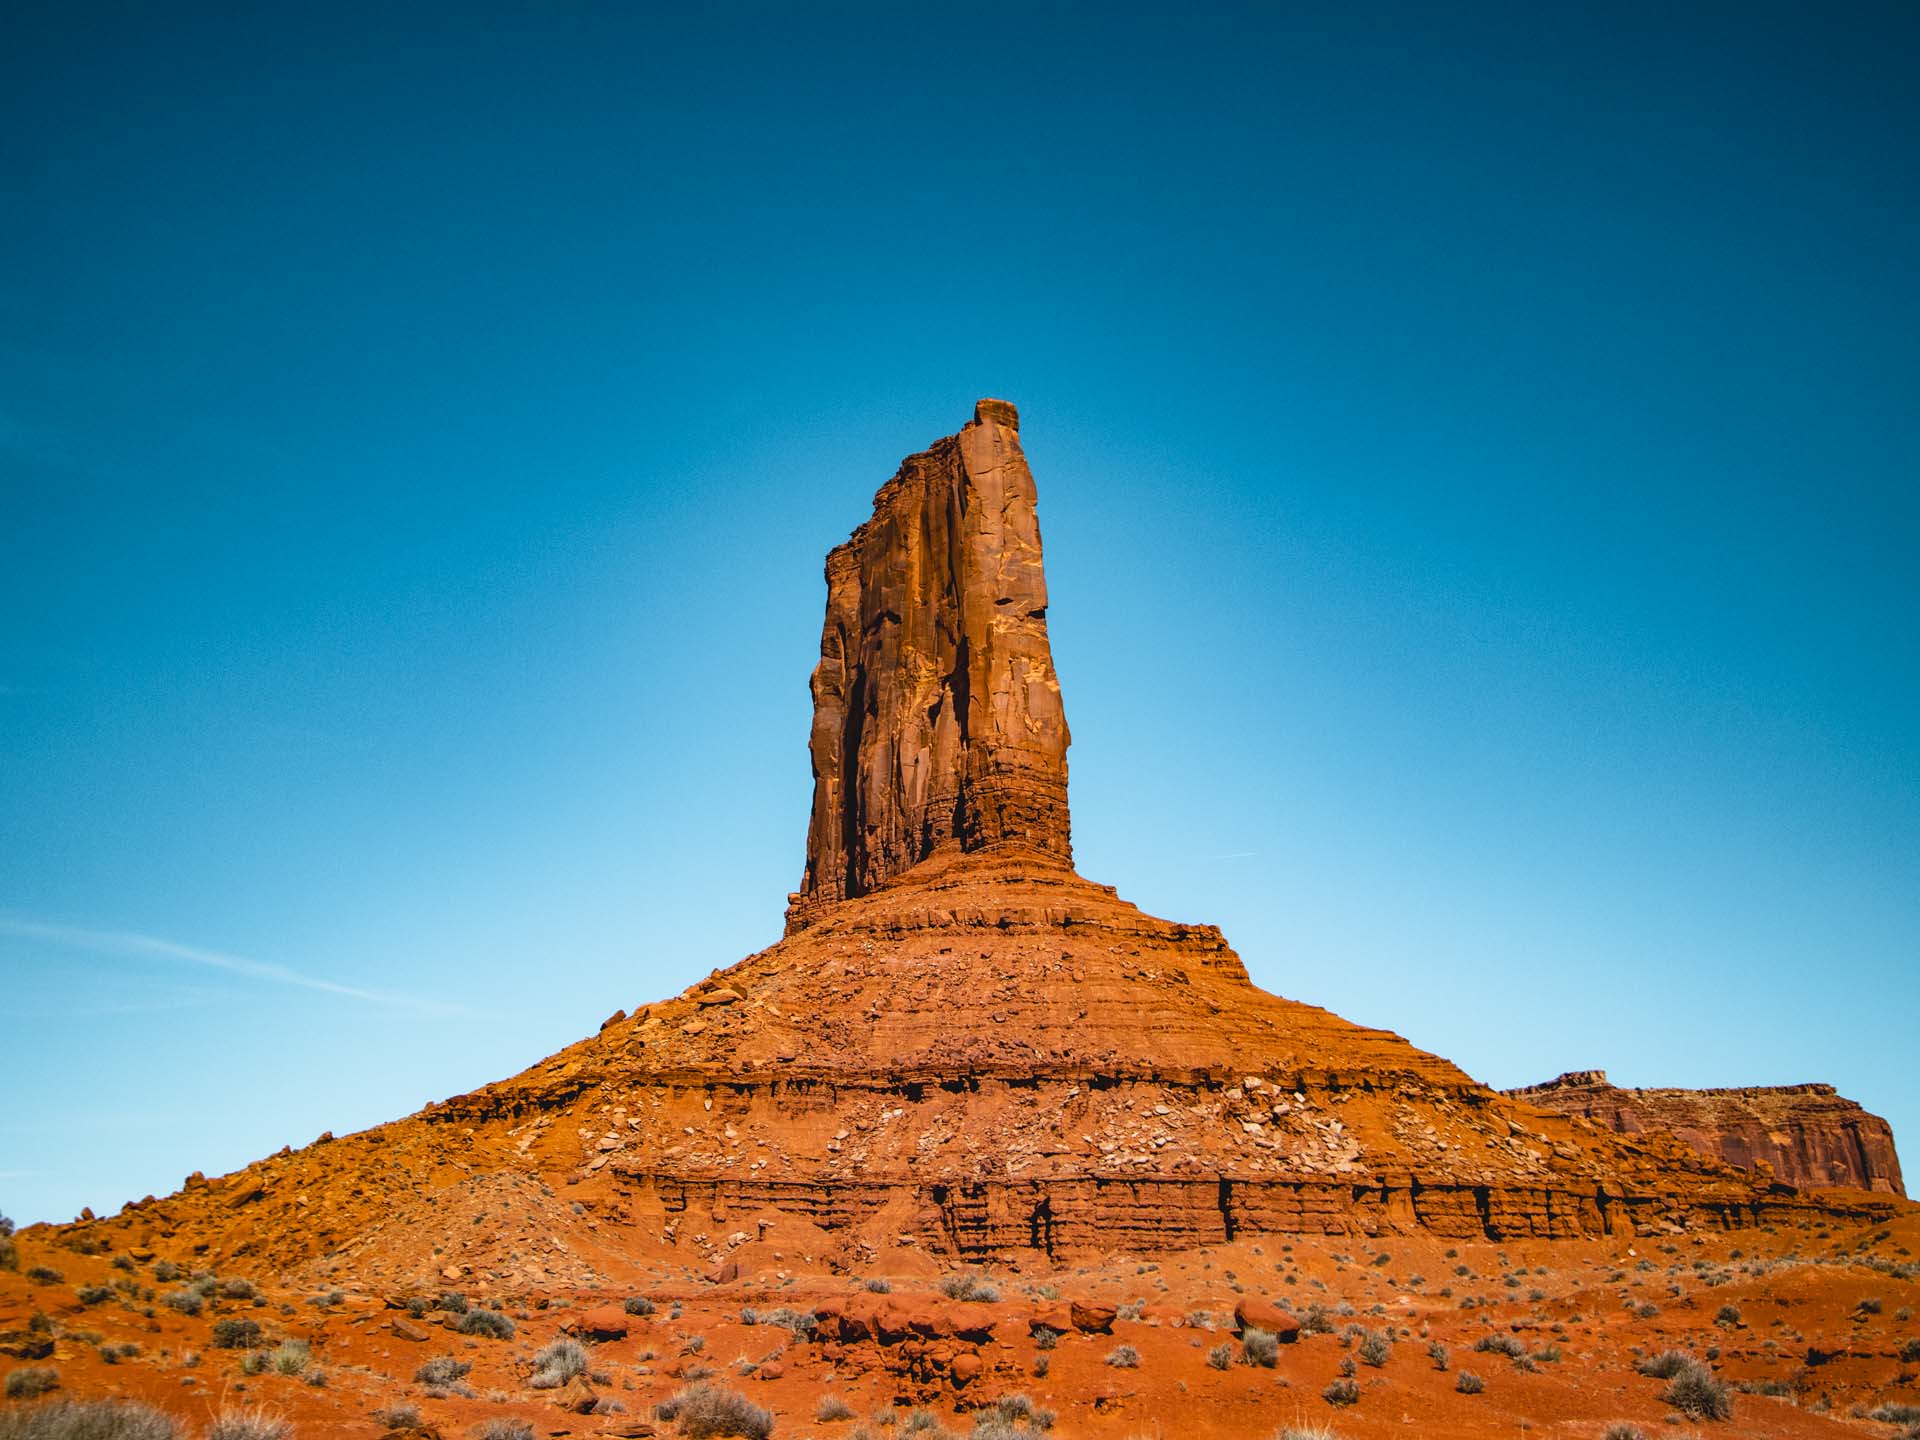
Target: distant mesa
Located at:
point(1805, 1135)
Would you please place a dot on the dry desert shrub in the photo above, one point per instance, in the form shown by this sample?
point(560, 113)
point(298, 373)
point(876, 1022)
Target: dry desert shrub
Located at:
point(1666, 1365)
point(87, 1420)
point(254, 1424)
point(1341, 1392)
point(555, 1364)
point(1696, 1394)
point(441, 1370)
point(1011, 1417)
point(31, 1381)
point(490, 1323)
point(976, 1288)
point(702, 1410)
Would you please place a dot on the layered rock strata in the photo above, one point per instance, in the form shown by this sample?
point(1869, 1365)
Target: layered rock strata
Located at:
point(1805, 1135)
point(961, 1045)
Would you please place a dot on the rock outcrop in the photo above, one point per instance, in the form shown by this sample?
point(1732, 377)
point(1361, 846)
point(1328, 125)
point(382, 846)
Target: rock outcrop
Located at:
point(1805, 1135)
point(961, 1048)
point(936, 714)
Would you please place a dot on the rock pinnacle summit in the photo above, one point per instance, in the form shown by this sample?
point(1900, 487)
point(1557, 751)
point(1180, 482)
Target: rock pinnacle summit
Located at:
point(937, 718)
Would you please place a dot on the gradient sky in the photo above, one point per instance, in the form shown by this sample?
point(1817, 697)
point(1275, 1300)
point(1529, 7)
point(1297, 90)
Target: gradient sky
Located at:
point(1477, 450)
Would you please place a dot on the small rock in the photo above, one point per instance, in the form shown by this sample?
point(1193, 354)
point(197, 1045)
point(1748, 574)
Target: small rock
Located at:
point(1091, 1317)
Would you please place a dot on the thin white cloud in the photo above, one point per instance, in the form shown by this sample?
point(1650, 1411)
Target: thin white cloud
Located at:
point(128, 942)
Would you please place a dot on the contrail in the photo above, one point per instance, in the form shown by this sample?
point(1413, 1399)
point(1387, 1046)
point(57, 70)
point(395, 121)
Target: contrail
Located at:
point(129, 942)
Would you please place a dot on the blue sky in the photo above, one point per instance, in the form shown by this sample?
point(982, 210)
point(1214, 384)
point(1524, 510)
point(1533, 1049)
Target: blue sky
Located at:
point(1477, 456)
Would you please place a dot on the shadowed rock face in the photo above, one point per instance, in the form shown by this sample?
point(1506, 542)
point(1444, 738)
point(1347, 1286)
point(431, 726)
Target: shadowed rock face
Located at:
point(1806, 1134)
point(936, 715)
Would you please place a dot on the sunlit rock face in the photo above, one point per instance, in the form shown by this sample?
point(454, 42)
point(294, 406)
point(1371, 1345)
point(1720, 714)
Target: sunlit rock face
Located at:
point(936, 713)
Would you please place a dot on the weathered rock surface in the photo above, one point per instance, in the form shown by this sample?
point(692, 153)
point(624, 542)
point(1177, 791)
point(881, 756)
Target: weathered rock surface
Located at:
point(961, 1048)
point(936, 714)
point(1804, 1134)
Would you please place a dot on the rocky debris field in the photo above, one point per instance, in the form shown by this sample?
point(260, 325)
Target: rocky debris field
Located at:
point(1803, 1329)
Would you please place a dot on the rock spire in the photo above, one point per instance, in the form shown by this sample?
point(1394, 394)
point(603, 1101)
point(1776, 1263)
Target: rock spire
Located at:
point(936, 712)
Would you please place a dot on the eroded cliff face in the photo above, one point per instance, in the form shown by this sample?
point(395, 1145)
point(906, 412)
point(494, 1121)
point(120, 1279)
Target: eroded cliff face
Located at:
point(961, 1046)
point(936, 713)
point(1806, 1134)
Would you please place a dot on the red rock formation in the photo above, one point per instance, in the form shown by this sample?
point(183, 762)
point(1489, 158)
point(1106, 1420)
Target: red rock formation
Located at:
point(936, 714)
point(962, 1047)
point(1804, 1134)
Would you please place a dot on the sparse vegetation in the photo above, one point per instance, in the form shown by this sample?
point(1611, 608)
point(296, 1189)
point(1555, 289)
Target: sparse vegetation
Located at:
point(255, 1424)
point(1011, 1417)
point(1375, 1349)
point(1317, 1321)
point(1507, 1345)
point(831, 1408)
point(1620, 1430)
point(30, 1381)
point(1665, 1365)
point(234, 1333)
point(639, 1305)
point(1696, 1394)
point(1468, 1383)
point(45, 1275)
point(970, 1286)
point(1259, 1347)
point(879, 1285)
point(1727, 1315)
point(1220, 1357)
point(1123, 1357)
point(557, 1363)
point(187, 1302)
point(702, 1410)
point(88, 1420)
point(501, 1429)
point(442, 1370)
point(1437, 1353)
point(1342, 1392)
point(490, 1323)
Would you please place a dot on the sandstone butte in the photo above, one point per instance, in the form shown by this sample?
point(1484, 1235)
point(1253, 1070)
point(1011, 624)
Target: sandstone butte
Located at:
point(1803, 1134)
point(977, 1135)
point(961, 1045)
